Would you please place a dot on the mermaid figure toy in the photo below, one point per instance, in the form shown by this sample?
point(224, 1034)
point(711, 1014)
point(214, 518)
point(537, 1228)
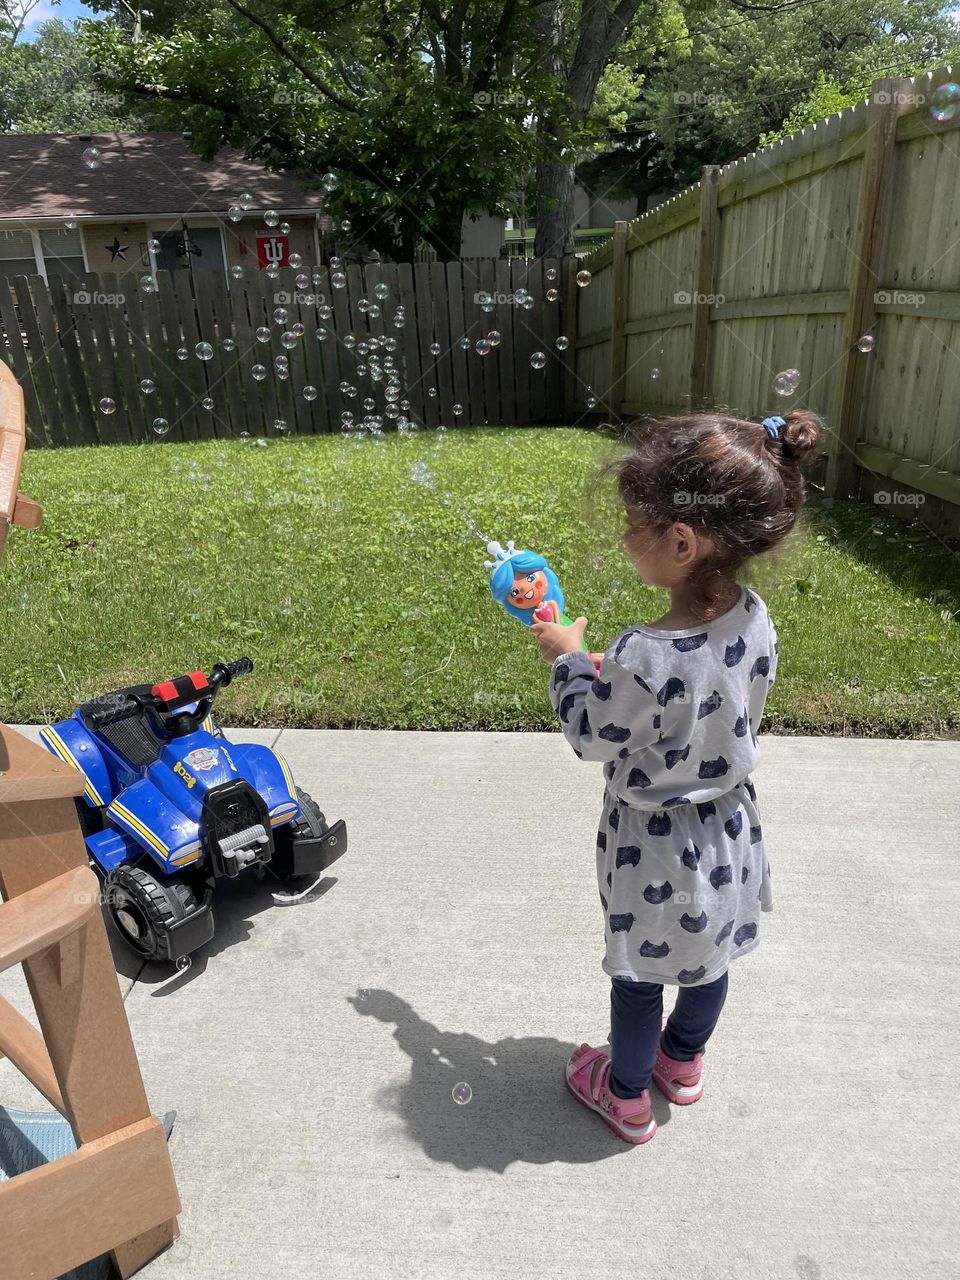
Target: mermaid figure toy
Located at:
point(525, 585)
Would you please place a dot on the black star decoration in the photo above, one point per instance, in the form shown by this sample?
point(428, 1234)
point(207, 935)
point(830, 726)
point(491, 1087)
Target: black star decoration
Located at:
point(117, 250)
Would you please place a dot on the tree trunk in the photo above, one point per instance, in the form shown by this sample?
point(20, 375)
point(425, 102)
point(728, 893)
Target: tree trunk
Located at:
point(446, 235)
point(555, 211)
point(599, 32)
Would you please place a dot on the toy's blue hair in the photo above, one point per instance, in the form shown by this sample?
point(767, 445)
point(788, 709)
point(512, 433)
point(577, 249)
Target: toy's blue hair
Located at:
point(501, 580)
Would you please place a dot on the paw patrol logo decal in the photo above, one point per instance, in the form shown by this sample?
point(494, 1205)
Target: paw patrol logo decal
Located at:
point(203, 758)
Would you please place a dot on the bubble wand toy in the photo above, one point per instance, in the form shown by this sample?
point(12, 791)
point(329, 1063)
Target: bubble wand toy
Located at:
point(525, 585)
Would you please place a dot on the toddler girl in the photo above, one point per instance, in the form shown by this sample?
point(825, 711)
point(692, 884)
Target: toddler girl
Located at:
point(673, 714)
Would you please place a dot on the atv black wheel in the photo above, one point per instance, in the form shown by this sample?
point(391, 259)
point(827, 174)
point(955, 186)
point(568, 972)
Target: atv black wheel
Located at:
point(143, 907)
point(308, 826)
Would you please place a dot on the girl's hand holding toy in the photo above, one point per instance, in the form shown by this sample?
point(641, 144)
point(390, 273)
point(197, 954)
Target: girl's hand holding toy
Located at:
point(525, 585)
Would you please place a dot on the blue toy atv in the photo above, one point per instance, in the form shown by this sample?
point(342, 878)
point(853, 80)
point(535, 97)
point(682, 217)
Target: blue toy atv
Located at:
point(170, 806)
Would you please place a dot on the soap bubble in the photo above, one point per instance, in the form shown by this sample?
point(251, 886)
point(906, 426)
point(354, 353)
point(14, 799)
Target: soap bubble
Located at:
point(288, 340)
point(329, 181)
point(538, 360)
point(273, 271)
point(279, 424)
point(183, 353)
point(583, 278)
point(431, 391)
point(562, 343)
point(91, 157)
point(457, 410)
point(204, 351)
point(347, 389)
point(207, 402)
point(284, 228)
point(420, 473)
point(552, 295)
point(381, 291)
point(229, 344)
point(154, 245)
point(309, 393)
point(295, 260)
point(350, 341)
point(297, 329)
point(280, 315)
point(245, 201)
point(435, 348)
point(528, 303)
point(552, 273)
point(462, 1093)
point(161, 426)
point(302, 281)
point(258, 372)
point(520, 296)
point(263, 334)
point(283, 373)
point(786, 382)
point(867, 342)
point(591, 402)
point(148, 284)
point(234, 213)
point(464, 343)
point(654, 373)
point(493, 337)
point(944, 102)
point(322, 335)
point(271, 217)
point(237, 272)
point(338, 280)
point(483, 347)
point(244, 435)
point(70, 222)
point(363, 305)
point(107, 405)
point(346, 225)
point(147, 386)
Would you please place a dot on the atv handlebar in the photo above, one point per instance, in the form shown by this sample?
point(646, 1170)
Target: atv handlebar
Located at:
point(167, 698)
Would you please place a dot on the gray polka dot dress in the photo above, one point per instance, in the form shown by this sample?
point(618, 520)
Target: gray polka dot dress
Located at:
point(681, 866)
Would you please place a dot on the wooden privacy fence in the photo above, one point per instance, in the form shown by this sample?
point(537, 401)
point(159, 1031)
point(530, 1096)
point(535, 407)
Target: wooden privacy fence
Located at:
point(785, 260)
point(82, 340)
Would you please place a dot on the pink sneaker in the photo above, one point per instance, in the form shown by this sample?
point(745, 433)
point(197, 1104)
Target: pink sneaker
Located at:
point(587, 1074)
point(681, 1082)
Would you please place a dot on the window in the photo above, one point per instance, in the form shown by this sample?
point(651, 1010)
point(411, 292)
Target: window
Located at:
point(17, 257)
point(62, 253)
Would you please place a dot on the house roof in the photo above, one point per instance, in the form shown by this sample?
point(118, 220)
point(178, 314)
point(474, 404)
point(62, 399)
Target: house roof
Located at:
point(42, 176)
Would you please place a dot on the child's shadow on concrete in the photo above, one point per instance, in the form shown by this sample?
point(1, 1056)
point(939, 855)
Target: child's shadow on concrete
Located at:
point(519, 1106)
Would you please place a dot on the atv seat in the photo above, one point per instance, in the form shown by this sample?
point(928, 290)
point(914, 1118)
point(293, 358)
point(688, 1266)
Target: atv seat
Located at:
point(118, 717)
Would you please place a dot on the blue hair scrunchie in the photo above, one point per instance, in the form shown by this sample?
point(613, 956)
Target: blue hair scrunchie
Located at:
point(772, 427)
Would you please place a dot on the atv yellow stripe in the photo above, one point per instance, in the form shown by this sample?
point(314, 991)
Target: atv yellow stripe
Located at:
point(288, 775)
point(183, 858)
point(131, 820)
point(208, 724)
point(60, 748)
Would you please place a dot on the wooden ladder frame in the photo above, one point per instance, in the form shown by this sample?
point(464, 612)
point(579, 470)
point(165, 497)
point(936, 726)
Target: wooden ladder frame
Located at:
point(116, 1193)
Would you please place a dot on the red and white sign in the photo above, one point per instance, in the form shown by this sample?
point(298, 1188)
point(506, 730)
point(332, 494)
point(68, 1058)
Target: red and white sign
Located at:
point(272, 248)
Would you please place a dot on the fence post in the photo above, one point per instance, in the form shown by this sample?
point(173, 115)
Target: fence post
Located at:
point(570, 328)
point(618, 337)
point(704, 266)
point(866, 264)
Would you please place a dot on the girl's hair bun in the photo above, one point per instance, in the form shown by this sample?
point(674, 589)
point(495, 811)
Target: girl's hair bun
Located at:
point(800, 435)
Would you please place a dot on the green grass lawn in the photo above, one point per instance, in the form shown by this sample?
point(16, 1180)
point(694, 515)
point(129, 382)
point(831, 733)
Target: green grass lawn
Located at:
point(361, 596)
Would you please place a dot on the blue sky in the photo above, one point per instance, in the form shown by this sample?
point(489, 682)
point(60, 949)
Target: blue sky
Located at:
point(65, 10)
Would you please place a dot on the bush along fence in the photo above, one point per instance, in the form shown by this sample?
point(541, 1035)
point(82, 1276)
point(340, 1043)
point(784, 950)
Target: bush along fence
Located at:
point(832, 257)
point(188, 355)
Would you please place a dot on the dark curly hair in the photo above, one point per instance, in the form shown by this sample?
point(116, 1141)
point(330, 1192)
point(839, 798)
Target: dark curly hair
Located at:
point(723, 476)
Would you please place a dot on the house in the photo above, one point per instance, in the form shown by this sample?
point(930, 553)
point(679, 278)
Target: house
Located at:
point(122, 202)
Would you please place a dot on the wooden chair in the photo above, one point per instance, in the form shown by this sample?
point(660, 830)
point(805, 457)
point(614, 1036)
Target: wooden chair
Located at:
point(116, 1194)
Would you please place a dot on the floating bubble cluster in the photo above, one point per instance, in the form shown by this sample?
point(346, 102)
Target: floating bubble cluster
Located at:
point(786, 382)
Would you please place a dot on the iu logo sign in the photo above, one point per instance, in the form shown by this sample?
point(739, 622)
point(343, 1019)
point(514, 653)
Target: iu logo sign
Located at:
point(203, 758)
point(272, 249)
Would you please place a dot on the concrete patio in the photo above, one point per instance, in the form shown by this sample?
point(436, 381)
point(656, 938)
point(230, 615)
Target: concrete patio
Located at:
point(311, 1051)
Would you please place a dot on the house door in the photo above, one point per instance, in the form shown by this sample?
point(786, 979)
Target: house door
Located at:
point(206, 246)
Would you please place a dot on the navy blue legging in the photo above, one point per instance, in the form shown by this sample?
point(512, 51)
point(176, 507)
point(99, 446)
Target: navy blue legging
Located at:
point(636, 1015)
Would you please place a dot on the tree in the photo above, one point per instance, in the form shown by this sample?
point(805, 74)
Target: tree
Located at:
point(745, 75)
point(49, 87)
point(418, 112)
